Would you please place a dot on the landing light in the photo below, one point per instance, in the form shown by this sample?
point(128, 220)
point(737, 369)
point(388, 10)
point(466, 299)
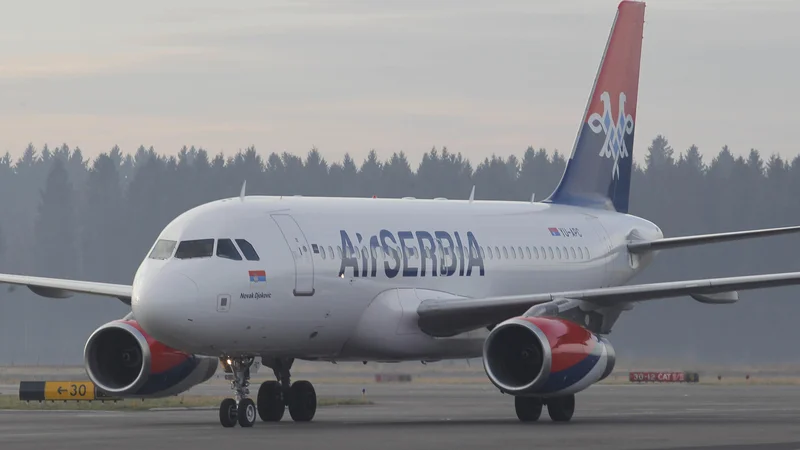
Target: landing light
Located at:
point(229, 361)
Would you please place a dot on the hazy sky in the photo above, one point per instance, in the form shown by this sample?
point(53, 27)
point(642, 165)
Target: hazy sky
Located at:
point(479, 76)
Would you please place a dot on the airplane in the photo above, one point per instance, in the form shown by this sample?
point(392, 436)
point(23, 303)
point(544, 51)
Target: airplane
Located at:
point(534, 288)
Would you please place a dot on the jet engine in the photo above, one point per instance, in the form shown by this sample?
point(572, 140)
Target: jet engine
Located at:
point(545, 356)
point(123, 360)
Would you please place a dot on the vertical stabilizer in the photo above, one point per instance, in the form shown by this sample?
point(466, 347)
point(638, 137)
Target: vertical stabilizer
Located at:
point(598, 173)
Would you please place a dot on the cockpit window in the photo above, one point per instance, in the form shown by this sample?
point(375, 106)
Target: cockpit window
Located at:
point(226, 249)
point(248, 250)
point(163, 249)
point(200, 248)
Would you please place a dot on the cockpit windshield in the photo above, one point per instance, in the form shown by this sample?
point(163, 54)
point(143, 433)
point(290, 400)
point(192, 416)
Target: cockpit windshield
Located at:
point(248, 250)
point(204, 248)
point(226, 249)
point(163, 249)
point(200, 248)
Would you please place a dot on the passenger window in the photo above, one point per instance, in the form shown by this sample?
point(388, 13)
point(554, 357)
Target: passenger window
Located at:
point(535, 253)
point(550, 252)
point(322, 251)
point(580, 253)
point(513, 253)
point(330, 252)
point(497, 251)
point(163, 249)
point(339, 251)
point(226, 249)
point(519, 251)
point(505, 252)
point(483, 255)
point(528, 252)
point(572, 251)
point(201, 248)
point(586, 250)
point(558, 252)
point(247, 250)
point(489, 251)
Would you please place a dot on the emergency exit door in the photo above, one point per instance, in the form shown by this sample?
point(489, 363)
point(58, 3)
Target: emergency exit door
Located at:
point(301, 253)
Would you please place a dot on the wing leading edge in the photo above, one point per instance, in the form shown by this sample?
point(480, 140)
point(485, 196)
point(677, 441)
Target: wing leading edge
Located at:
point(60, 288)
point(446, 317)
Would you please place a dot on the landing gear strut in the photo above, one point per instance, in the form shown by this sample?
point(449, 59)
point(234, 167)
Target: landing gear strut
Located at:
point(241, 409)
point(274, 396)
point(560, 409)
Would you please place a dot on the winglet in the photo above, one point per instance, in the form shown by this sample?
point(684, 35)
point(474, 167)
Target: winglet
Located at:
point(472, 194)
point(241, 194)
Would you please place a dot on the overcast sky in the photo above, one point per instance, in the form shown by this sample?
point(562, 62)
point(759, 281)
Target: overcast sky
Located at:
point(477, 76)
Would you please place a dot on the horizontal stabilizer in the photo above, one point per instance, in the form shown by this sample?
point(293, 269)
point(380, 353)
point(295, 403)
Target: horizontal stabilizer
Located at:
point(685, 241)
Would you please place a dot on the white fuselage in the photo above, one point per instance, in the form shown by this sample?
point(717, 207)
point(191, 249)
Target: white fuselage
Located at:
point(318, 300)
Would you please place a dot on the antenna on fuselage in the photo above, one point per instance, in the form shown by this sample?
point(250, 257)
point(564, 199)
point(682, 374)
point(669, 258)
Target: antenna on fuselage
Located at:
point(241, 194)
point(472, 194)
point(533, 196)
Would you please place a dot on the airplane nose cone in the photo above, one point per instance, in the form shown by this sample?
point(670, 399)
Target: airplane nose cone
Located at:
point(163, 306)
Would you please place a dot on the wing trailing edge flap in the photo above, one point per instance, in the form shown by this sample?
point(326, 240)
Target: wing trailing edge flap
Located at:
point(447, 317)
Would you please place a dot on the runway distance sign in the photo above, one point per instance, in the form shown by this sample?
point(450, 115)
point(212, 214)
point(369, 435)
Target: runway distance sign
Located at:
point(663, 377)
point(61, 390)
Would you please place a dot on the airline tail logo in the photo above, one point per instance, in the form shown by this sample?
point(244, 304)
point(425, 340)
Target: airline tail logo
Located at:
point(614, 145)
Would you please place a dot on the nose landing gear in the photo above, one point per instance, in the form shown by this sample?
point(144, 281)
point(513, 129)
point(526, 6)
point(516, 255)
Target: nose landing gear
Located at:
point(241, 409)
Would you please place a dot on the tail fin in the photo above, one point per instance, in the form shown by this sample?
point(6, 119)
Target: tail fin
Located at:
point(598, 172)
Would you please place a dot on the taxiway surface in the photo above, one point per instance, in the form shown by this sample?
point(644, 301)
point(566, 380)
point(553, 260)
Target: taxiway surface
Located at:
point(415, 416)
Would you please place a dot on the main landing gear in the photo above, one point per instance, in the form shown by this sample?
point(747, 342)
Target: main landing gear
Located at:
point(560, 409)
point(273, 396)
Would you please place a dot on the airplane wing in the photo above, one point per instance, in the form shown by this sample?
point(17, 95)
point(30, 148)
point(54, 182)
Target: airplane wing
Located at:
point(684, 241)
point(59, 288)
point(449, 316)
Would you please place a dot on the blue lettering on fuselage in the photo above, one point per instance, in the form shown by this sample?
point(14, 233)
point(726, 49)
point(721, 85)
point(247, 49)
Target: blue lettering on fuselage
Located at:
point(412, 254)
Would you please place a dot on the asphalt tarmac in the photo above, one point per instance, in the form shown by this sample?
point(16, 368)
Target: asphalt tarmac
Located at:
point(417, 416)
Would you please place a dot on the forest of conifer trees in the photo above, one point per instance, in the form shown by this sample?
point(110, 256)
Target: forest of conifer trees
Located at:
point(64, 215)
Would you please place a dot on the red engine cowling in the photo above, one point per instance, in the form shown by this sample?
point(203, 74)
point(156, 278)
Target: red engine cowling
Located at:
point(123, 360)
point(544, 356)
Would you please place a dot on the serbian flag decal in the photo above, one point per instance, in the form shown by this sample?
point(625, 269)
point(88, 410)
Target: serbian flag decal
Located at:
point(258, 276)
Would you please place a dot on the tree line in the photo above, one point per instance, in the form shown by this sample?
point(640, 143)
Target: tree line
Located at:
point(64, 215)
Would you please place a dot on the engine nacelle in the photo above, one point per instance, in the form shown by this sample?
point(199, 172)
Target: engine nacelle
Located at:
point(545, 357)
point(123, 360)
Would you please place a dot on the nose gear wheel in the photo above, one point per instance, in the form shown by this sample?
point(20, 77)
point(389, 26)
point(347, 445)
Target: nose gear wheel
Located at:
point(240, 409)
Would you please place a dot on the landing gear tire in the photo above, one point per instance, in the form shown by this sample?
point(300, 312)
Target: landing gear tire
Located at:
point(302, 401)
point(228, 413)
point(561, 408)
point(270, 401)
point(246, 412)
point(528, 408)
